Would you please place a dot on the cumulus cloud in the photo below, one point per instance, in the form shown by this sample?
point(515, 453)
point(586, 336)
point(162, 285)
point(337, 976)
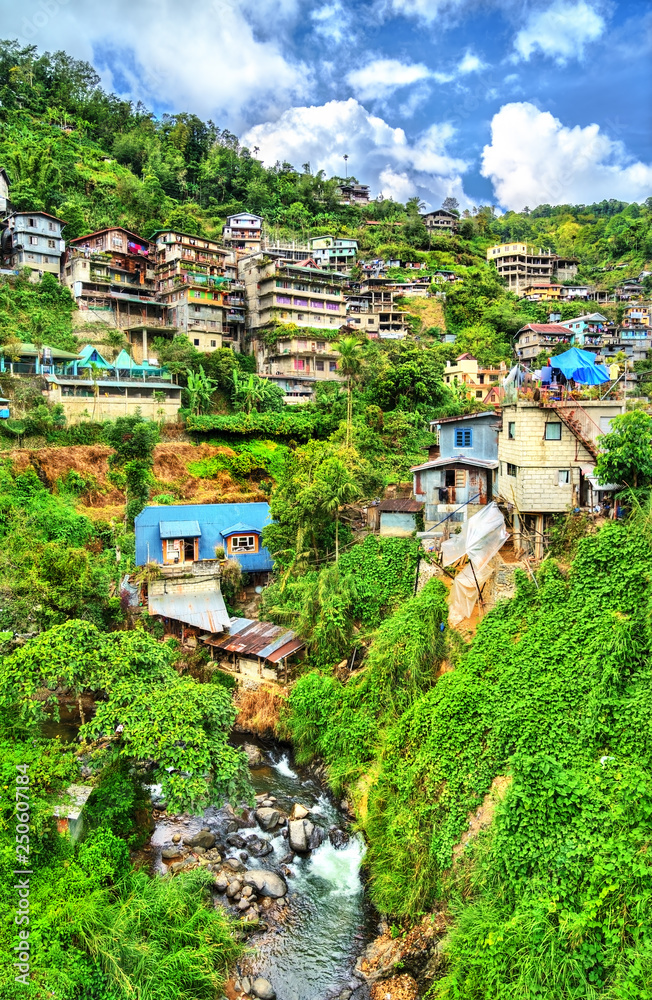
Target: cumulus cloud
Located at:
point(218, 59)
point(381, 77)
point(379, 155)
point(426, 11)
point(534, 159)
point(470, 64)
point(561, 31)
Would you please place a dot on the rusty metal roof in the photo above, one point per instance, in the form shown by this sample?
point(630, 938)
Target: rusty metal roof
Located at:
point(253, 638)
point(204, 609)
point(285, 650)
point(400, 506)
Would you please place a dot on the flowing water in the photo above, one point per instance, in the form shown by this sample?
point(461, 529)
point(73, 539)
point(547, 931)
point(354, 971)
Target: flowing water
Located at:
point(312, 956)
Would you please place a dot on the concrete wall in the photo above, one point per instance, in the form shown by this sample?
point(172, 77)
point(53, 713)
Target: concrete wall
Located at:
point(76, 408)
point(396, 524)
point(484, 436)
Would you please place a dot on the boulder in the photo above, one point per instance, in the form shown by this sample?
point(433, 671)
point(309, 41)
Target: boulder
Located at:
point(254, 755)
point(266, 883)
point(299, 811)
point(300, 833)
point(221, 883)
point(268, 817)
point(234, 864)
point(315, 838)
point(203, 839)
point(234, 888)
point(263, 989)
point(338, 838)
point(235, 840)
point(170, 852)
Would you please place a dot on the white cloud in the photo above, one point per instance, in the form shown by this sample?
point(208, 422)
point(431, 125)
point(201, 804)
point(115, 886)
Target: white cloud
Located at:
point(334, 22)
point(426, 11)
point(533, 159)
point(560, 31)
point(216, 59)
point(379, 155)
point(381, 77)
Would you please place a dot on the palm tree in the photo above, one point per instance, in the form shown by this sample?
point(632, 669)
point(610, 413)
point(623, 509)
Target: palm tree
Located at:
point(350, 364)
point(93, 373)
point(335, 486)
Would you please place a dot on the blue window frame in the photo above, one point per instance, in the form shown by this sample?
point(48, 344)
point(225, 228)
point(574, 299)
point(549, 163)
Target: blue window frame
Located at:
point(463, 437)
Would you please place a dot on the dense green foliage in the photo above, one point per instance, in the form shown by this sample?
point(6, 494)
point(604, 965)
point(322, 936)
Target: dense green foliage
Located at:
point(626, 451)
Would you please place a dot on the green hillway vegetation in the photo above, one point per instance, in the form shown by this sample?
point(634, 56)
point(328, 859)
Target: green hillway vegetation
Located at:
point(549, 702)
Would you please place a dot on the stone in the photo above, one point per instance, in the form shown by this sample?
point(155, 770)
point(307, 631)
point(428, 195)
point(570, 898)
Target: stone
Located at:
point(254, 755)
point(300, 833)
point(299, 811)
point(263, 989)
point(243, 856)
point(170, 852)
point(203, 839)
point(268, 804)
point(268, 817)
point(234, 888)
point(176, 838)
point(178, 865)
point(199, 850)
point(246, 984)
point(287, 859)
point(235, 840)
point(221, 883)
point(266, 883)
point(315, 838)
point(243, 904)
point(266, 903)
point(235, 864)
point(338, 838)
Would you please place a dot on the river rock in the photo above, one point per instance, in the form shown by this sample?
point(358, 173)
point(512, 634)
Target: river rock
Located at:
point(243, 904)
point(176, 838)
point(221, 883)
point(199, 850)
point(300, 833)
point(315, 838)
point(234, 864)
point(246, 984)
point(338, 838)
point(235, 840)
point(263, 989)
point(268, 803)
point(266, 883)
point(299, 811)
point(203, 839)
point(170, 852)
point(234, 888)
point(268, 817)
point(254, 755)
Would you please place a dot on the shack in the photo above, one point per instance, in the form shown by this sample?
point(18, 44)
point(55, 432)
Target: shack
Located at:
point(256, 649)
point(398, 517)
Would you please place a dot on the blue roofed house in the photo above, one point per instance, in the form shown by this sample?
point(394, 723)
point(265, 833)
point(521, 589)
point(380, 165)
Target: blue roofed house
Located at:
point(173, 536)
point(461, 472)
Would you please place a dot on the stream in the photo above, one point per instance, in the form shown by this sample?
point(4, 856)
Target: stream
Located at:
point(308, 946)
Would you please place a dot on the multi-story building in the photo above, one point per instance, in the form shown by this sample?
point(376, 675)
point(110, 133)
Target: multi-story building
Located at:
point(353, 194)
point(440, 220)
point(4, 192)
point(547, 452)
point(587, 331)
point(521, 265)
point(191, 284)
point(372, 309)
point(302, 359)
point(536, 337)
point(333, 251)
point(482, 383)
point(243, 231)
point(112, 277)
point(33, 239)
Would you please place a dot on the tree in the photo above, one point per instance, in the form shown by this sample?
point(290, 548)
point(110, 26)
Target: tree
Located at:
point(200, 390)
point(626, 451)
point(350, 364)
point(134, 439)
point(451, 205)
point(334, 486)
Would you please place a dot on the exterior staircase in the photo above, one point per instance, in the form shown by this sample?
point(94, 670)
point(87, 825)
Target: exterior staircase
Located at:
point(579, 423)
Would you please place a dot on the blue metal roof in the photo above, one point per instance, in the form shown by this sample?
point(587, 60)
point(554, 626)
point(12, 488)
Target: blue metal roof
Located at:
point(239, 528)
point(179, 529)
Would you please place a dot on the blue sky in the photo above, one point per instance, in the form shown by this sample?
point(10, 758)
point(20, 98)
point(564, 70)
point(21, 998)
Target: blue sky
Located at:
point(506, 102)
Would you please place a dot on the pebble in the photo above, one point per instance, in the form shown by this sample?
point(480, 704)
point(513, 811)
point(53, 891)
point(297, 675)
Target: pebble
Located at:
point(234, 888)
point(176, 838)
point(246, 985)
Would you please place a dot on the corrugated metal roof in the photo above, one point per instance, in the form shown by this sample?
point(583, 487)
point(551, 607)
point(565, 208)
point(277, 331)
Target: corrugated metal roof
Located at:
point(286, 650)
point(179, 529)
point(400, 506)
point(239, 528)
point(205, 609)
point(480, 463)
point(255, 638)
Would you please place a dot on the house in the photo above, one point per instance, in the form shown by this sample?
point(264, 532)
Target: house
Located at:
point(398, 517)
point(371, 308)
point(440, 220)
point(460, 474)
point(536, 337)
point(482, 383)
point(256, 649)
point(111, 274)
point(333, 251)
point(242, 231)
point(27, 359)
point(353, 194)
point(33, 239)
point(300, 388)
point(521, 265)
point(4, 192)
point(547, 452)
point(191, 283)
point(303, 358)
point(191, 533)
point(587, 330)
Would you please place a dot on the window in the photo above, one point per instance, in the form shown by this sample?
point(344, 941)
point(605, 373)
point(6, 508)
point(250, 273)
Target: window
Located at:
point(33, 240)
point(52, 244)
point(319, 365)
point(52, 228)
point(478, 395)
point(243, 543)
point(370, 320)
point(511, 430)
point(553, 432)
point(196, 343)
point(463, 437)
point(460, 478)
point(511, 469)
point(197, 309)
point(213, 343)
point(564, 477)
point(32, 223)
point(418, 487)
point(332, 366)
point(98, 242)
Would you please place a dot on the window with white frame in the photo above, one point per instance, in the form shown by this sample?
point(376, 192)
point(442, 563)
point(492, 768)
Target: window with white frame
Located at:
point(243, 543)
point(564, 477)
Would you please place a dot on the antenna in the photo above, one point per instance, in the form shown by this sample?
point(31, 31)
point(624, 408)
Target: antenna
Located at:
point(346, 164)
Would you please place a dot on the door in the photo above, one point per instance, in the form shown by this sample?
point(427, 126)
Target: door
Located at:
point(189, 550)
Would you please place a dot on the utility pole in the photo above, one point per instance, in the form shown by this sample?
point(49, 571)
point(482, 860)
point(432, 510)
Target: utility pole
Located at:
point(346, 165)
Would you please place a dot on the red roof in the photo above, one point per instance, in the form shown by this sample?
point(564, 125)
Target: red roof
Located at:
point(544, 328)
point(110, 229)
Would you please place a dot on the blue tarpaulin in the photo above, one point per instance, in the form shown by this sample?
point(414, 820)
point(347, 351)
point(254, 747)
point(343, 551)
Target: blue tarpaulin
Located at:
point(580, 366)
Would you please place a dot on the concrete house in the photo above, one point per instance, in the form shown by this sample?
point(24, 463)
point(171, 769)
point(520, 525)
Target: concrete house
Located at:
point(460, 474)
point(482, 383)
point(398, 517)
point(33, 239)
point(190, 533)
point(243, 231)
point(440, 220)
point(4, 191)
point(547, 452)
point(522, 265)
point(333, 251)
point(536, 337)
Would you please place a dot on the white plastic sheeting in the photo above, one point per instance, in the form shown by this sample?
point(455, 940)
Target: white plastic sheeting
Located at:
point(481, 537)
